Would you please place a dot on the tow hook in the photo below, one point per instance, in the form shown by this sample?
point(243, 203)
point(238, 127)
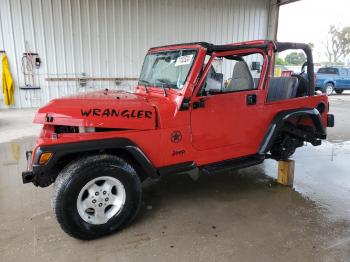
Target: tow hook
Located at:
point(27, 177)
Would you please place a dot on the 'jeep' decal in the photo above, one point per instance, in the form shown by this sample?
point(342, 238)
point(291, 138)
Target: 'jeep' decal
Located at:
point(116, 113)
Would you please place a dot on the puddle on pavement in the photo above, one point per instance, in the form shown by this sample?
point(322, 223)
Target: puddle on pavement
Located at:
point(321, 175)
point(245, 207)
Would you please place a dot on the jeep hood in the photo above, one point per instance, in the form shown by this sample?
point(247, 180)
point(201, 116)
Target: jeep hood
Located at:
point(104, 109)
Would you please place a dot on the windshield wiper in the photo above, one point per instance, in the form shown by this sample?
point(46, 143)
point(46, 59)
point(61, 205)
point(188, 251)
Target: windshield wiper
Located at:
point(162, 83)
point(164, 90)
point(145, 84)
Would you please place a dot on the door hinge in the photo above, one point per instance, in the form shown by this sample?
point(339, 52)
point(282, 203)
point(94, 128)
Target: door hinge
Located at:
point(198, 104)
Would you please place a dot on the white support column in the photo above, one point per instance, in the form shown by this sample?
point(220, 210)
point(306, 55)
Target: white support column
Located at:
point(273, 20)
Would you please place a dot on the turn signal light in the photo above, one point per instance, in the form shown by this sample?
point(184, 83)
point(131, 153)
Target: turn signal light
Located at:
point(44, 158)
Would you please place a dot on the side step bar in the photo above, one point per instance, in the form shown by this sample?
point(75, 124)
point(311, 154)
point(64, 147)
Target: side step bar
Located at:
point(236, 163)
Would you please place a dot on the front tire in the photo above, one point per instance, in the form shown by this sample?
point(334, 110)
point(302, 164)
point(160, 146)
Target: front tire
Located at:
point(328, 89)
point(96, 196)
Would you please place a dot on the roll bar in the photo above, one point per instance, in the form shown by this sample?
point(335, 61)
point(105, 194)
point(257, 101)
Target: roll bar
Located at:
point(265, 45)
point(282, 46)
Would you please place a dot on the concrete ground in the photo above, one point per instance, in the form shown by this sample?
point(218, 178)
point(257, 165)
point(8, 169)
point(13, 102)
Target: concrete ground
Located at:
point(233, 216)
point(15, 123)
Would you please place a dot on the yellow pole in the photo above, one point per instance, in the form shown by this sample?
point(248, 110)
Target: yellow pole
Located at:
point(286, 172)
point(278, 72)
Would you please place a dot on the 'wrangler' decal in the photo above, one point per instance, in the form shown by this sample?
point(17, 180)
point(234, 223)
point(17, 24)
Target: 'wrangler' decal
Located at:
point(116, 113)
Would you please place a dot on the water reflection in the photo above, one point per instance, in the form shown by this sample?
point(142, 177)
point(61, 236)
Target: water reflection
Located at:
point(322, 175)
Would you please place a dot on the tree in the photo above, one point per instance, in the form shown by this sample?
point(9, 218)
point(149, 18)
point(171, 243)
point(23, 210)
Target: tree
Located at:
point(280, 61)
point(312, 45)
point(337, 44)
point(345, 41)
point(295, 58)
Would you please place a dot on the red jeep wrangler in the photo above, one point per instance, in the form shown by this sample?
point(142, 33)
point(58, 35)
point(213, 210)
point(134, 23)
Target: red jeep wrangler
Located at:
point(197, 106)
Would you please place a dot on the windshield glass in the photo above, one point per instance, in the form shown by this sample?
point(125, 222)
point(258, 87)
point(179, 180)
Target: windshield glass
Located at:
point(167, 69)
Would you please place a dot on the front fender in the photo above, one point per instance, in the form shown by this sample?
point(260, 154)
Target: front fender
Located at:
point(44, 175)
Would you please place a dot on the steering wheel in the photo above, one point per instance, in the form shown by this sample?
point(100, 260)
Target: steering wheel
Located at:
point(303, 81)
point(303, 69)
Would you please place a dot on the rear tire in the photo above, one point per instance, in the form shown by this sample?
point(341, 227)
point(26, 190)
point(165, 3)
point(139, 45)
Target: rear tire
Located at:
point(339, 91)
point(328, 89)
point(96, 196)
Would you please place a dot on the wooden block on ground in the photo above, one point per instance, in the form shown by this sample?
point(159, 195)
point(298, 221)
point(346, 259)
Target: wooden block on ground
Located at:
point(286, 172)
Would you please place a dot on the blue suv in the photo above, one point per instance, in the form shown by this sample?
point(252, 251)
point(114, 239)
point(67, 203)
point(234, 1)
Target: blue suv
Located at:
point(333, 79)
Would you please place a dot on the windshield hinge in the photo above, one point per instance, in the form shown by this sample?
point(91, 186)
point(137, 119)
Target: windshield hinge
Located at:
point(185, 104)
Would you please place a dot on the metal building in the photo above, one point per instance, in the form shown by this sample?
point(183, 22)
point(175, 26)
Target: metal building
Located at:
point(108, 38)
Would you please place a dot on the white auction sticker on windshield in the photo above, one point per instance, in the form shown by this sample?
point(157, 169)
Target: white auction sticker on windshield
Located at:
point(183, 60)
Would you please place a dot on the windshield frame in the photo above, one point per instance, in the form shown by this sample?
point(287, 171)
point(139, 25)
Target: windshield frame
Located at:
point(164, 85)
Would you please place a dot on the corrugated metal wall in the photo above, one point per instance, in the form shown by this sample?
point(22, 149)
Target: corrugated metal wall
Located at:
point(108, 38)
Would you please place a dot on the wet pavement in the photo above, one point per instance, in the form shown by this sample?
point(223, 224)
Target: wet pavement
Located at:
point(234, 216)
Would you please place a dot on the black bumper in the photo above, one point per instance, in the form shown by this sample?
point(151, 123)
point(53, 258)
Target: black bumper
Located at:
point(40, 175)
point(28, 177)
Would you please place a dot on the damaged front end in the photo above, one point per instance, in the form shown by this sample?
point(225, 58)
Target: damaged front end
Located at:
point(111, 110)
point(84, 123)
point(38, 171)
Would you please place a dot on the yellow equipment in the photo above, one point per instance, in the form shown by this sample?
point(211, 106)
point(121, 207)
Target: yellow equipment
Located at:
point(8, 89)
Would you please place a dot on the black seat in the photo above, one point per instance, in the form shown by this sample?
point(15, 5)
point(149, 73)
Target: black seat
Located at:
point(281, 88)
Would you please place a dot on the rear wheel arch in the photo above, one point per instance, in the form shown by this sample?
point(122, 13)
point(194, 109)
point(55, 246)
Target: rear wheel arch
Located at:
point(283, 118)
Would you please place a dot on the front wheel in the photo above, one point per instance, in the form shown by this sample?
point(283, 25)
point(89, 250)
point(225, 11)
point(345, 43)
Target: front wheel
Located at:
point(95, 196)
point(328, 89)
